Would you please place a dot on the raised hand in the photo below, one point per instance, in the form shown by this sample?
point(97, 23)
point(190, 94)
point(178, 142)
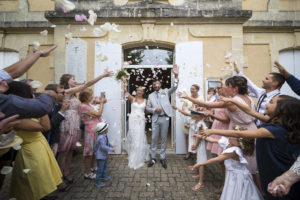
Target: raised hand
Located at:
point(182, 94)
point(46, 52)
point(107, 73)
point(236, 69)
point(206, 132)
point(175, 70)
point(281, 69)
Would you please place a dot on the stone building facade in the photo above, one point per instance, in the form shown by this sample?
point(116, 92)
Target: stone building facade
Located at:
point(254, 33)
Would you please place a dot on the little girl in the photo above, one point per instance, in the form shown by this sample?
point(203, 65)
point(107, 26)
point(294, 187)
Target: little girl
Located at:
point(239, 184)
point(198, 145)
point(274, 139)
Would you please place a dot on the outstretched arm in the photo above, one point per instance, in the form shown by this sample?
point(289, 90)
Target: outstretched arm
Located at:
point(252, 87)
point(224, 119)
point(19, 68)
point(293, 82)
point(220, 158)
point(183, 112)
point(247, 109)
point(205, 104)
point(129, 96)
point(257, 133)
point(175, 85)
point(209, 139)
point(88, 84)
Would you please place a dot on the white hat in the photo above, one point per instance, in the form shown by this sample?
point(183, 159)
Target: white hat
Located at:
point(101, 126)
point(36, 84)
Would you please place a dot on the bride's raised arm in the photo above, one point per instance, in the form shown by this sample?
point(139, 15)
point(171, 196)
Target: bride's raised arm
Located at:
point(126, 93)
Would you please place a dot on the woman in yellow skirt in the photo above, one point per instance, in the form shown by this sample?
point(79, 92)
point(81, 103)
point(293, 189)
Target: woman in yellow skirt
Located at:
point(36, 172)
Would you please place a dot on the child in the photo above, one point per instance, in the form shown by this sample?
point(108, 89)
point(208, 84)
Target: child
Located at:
point(274, 140)
point(197, 145)
point(239, 184)
point(102, 148)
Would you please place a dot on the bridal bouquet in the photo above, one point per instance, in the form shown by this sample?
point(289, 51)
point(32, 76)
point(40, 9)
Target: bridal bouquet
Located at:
point(122, 74)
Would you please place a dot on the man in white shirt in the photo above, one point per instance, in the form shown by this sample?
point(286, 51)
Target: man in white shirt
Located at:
point(270, 88)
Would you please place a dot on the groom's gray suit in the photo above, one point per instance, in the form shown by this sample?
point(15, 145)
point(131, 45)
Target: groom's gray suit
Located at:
point(160, 121)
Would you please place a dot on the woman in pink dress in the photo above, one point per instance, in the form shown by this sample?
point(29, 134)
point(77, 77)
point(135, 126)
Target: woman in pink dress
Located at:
point(69, 128)
point(221, 121)
point(90, 117)
point(237, 88)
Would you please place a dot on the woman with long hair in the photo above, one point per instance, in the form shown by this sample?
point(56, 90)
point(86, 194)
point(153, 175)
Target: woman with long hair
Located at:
point(237, 88)
point(69, 128)
point(274, 139)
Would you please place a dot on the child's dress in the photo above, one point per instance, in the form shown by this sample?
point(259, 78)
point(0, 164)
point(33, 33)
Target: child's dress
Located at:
point(194, 128)
point(202, 154)
point(239, 184)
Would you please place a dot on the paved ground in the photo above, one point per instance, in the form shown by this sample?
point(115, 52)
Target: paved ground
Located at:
point(174, 183)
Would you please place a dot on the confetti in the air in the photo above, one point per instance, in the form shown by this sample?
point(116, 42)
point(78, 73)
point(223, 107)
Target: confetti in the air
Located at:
point(26, 170)
point(80, 18)
point(44, 33)
point(78, 144)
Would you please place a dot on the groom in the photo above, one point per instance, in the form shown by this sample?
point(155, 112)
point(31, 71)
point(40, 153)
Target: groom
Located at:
point(159, 105)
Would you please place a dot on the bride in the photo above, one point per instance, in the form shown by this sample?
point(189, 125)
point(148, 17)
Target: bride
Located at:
point(136, 141)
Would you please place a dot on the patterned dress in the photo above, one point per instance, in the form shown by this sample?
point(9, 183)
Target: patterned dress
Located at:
point(69, 128)
point(90, 135)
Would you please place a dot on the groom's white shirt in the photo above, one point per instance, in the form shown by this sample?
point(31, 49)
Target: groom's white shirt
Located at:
point(161, 100)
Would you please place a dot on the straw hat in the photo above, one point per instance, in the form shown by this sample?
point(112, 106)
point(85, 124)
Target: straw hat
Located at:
point(101, 126)
point(4, 149)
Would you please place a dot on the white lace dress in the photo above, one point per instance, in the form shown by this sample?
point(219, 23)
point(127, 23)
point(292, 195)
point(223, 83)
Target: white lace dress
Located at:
point(136, 141)
point(239, 184)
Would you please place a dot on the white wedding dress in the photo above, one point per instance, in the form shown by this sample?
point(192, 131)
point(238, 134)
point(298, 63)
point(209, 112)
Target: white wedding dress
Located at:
point(136, 141)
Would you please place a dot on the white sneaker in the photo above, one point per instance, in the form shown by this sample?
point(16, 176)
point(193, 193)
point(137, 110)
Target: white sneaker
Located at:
point(94, 169)
point(89, 176)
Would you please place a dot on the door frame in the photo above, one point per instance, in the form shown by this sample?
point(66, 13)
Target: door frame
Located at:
point(172, 99)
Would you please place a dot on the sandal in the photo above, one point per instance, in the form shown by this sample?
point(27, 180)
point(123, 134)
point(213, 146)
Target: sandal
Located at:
point(186, 157)
point(198, 186)
point(69, 179)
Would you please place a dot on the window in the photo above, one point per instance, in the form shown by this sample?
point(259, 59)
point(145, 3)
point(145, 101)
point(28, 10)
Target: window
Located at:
point(148, 55)
point(7, 58)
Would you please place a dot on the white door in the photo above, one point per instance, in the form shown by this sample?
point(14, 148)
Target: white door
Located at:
point(110, 54)
point(189, 58)
point(290, 59)
point(8, 58)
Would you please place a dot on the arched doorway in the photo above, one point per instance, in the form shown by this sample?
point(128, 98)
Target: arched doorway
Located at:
point(145, 63)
